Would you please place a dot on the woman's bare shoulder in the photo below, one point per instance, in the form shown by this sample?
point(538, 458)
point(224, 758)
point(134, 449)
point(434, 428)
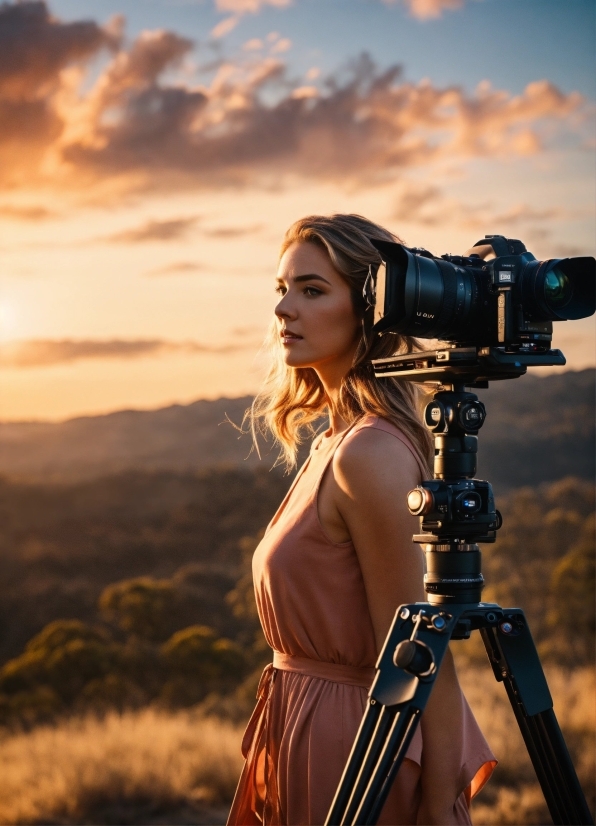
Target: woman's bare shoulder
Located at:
point(373, 457)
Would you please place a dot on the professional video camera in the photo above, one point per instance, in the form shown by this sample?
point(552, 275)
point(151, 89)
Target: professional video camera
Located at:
point(495, 319)
point(509, 302)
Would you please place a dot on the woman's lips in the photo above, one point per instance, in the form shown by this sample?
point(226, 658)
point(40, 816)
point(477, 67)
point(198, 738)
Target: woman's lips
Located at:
point(289, 338)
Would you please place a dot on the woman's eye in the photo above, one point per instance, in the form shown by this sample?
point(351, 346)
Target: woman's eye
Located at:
point(312, 291)
point(280, 289)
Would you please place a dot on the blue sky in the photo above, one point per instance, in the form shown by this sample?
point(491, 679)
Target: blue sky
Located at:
point(510, 42)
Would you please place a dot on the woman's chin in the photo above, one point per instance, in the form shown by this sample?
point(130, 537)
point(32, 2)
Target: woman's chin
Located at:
point(293, 359)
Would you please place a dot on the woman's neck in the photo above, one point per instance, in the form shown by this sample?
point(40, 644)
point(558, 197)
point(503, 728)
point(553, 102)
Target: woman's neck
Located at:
point(337, 423)
point(331, 377)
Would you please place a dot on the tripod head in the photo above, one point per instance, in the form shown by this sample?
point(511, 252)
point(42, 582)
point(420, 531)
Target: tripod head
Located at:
point(457, 512)
point(454, 507)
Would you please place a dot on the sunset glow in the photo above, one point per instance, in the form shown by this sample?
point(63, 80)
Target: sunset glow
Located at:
point(152, 156)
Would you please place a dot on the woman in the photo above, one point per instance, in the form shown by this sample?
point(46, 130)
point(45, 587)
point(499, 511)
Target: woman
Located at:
point(337, 557)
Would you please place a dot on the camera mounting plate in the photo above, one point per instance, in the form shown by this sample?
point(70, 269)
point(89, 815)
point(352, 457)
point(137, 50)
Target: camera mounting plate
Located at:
point(471, 366)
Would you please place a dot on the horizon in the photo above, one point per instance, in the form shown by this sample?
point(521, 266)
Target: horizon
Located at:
point(543, 374)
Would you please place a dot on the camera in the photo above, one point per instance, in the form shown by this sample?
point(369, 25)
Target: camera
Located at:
point(509, 302)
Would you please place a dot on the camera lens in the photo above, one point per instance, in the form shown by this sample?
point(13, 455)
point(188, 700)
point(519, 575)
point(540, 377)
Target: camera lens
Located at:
point(560, 289)
point(419, 295)
point(557, 288)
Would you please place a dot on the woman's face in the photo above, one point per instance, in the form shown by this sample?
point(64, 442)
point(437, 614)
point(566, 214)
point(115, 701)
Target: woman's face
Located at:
point(316, 318)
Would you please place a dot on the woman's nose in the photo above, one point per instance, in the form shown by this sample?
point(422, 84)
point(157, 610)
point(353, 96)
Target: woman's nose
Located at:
point(284, 308)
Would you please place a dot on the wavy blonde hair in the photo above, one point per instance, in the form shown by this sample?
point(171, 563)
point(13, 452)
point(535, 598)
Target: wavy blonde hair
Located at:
point(292, 399)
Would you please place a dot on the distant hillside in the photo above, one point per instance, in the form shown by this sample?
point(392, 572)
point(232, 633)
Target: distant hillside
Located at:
point(538, 430)
point(181, 437)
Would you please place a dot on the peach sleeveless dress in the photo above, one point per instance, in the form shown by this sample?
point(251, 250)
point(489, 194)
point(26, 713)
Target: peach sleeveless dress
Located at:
point(313, 609)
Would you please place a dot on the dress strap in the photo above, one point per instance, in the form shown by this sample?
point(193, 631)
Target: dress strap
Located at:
point(286, 498)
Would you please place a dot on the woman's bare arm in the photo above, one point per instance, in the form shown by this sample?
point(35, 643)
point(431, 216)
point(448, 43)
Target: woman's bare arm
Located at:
point(373, 473)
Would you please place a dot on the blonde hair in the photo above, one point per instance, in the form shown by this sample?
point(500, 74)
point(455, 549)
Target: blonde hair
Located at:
point(293, 399)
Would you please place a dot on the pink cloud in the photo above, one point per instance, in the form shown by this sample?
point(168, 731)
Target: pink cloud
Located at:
point(168, 230)
point(35, 51)
point(49, 352)
point(249, 6)
point(429, 206)
point(224, 27)
point(429, 9)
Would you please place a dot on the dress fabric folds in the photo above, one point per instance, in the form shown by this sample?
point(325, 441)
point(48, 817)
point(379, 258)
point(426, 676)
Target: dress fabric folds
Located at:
point(313, 609)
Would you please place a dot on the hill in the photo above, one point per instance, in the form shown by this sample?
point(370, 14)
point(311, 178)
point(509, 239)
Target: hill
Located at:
point(180, 437)
point(539, 429)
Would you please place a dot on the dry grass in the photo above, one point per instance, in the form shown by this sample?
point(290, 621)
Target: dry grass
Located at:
point(154, 767)
point(138, 767)
point(513, 795)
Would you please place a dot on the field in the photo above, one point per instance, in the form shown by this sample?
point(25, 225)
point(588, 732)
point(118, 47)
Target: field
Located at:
point(157, 767)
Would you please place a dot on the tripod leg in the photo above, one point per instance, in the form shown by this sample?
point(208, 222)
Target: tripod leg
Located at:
point(384, 726)
point(351, 771)
point(387, 767)
point(406, 670)
point(513, 655)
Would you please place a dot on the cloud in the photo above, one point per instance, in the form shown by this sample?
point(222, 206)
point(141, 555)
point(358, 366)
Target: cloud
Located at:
point(284, 44)
point(224, 27)
point(177, 268)
point(26, 213)
point(232, 232)
point(36, 50)
point(169, 230)
point(428, 9)
point(173, 229)
point(238, 8)
point(35, 47)
point(365, 126)
point(421, 9)
point(249, 6)
point(255, 44)
point(429, 206)
point(141, 126)
point(47, 353)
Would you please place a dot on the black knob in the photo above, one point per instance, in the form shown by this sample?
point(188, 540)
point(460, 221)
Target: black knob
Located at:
point(415, 657)
point(471, 416)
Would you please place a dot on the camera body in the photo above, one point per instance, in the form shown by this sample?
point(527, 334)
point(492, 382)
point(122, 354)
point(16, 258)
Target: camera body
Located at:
point(509, 302)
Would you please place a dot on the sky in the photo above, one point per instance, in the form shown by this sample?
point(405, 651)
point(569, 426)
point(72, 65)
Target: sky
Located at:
point(153, 152)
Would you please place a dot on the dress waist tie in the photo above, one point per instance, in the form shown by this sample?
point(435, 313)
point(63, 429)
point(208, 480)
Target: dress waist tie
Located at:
point(256, 800)
point(334, 672)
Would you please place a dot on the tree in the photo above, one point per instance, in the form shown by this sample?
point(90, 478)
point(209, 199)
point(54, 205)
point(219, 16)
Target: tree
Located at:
point(571, 618)
point(198, 663)
point(141, 606)
point(55, 667)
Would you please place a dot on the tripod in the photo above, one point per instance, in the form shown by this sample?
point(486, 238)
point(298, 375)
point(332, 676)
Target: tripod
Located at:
point(457, 512)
